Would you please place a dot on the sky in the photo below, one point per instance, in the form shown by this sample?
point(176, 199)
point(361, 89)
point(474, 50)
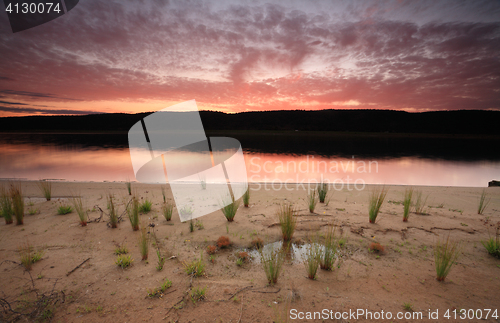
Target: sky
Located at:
point(234, 56)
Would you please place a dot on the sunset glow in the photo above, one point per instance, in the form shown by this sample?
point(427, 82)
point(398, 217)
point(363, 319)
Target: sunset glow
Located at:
point(234, 56)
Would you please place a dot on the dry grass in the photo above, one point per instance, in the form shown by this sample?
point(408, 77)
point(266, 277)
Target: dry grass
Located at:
point(312, 201)
point(407, 203)
point(272, 262)
point(113, 213)
point(133, 213)
point(6, 205)
point(167, 210)
point(328, 255)
point(144, 243)
point(46, 189)
point(483, 202)
point(312, 260)
point(80, 209)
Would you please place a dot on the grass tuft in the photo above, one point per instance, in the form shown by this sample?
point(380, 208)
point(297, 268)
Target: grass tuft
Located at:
point(195, 268)
point(121, 250)
point(376, 200)
point(46, 189)
point(483, 202)
point(128, 183)
point(167, 210)
point(144, 243)
point(288, 221)
point(198, 294)
point(64, 209)
point(163, 194)
point(272, 262)
point(328, 255)
point(407, 203)
point(158, 291)
point(492, 245)
point(146, 206)
point(257, 243)
point(446, 254)
point(16, 195)
point(246, 197)
point(29, 256)
point(124, 261)
point(312, 260)
point(230, 209)
point(133, 213)
point(420, 203)
point(6, 206)
point(113, 214)
point(312, 201)
point(80, 209)
point(161, 260)
point(322, 191)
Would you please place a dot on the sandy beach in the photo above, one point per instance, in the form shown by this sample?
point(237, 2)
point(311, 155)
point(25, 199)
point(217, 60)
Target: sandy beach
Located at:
point(100, 291)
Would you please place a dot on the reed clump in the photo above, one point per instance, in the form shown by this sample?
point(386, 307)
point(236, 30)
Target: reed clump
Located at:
point(16, 195)
point(230, 208)
point(446, 254)
point(492, 245)
point(407, 203)
point(144, 242)
point(288, 221)
point(272, 262)
point(80, 209)
point(246, 197)
point(420, 202)
point(133, 213)
point(167, 210)
point(6, 205)
point(375, 202)
point(312, 201)
point(322, 191)
point(46, 189)
point(484, 200)
point(113, 212)
point(329, 254)
point(128, 183)
point(313, 258)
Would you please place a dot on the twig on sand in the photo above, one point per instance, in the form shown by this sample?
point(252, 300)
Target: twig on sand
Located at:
point(70, 272)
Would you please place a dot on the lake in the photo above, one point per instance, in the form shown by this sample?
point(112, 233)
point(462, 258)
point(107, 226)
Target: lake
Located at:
point(275, 159)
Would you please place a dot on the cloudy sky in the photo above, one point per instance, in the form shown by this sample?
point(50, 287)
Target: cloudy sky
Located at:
point(232, 56)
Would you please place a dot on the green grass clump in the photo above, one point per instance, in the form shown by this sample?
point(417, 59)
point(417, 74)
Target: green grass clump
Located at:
point(246, 197)
point(230, 209)
point(64, 209)
point(144, 243)
point(198, 294)
point(328, 255)
point(191, 226)
point(158, 291)
point(195, 268)
point(312, 201)
point(420, 203)
point(163, 194)
point(146, 206)
point(121, 250)
point(272, 262)
point(492, 245)
point(407, 203)
point(161, 260)
point(80, 209)
point(113, 213)
point(128, 183)
point(46, 189)
point(124, 261)
point(312, 260)
point(375, 202)
point(446, 254)
point(288, 221)
point(6, 206)
point(29, 256)
point(16, 195)
point(322, 191)
point(167, 210)
point(133, 213)
point(483, 202)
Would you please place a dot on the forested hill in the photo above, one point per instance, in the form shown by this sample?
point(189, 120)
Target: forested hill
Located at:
point(437, 122)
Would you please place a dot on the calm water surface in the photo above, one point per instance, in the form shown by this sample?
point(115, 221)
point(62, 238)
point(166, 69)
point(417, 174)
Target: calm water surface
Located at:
point(277, 160)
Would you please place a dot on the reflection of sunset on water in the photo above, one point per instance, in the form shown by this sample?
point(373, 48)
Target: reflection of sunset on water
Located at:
point(113, 164)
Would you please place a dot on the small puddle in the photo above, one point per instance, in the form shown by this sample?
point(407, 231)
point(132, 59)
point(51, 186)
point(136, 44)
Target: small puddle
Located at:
point(296, 253)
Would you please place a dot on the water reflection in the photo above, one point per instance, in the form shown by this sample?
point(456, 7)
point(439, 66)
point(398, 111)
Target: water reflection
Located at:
point(107, 158)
